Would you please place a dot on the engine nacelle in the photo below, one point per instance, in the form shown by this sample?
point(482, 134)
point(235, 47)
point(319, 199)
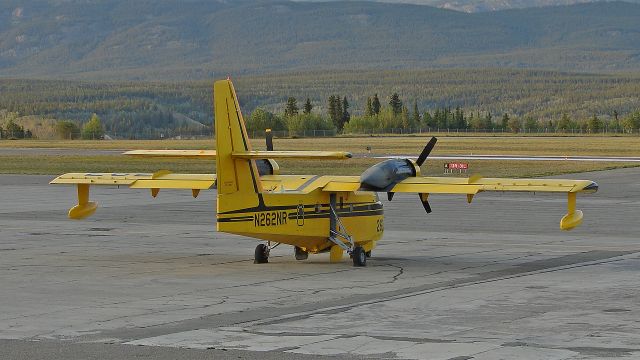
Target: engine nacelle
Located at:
point(385, 175)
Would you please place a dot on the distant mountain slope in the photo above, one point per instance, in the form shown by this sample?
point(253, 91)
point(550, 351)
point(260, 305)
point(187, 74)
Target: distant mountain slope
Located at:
point(486, 5)
point(166, 39)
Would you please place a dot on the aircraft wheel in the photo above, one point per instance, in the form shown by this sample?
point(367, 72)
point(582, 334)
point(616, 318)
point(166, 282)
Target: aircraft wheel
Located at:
point(359, 256)
point(368, 253)
point(261, 254)
point(300, 254)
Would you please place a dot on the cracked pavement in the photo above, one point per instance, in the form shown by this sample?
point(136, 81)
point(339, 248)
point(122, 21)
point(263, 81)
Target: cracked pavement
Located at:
point(495, 279)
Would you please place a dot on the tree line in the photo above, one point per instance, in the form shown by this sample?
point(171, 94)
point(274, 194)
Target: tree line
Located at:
point(395, 115)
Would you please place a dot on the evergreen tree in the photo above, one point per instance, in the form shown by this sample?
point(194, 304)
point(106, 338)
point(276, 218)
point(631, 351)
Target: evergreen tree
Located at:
point(565, 123)
point(306, 109)
point(369, 109)
point(594, 124)
point(375, 104)
point(339, 113)
point(396, 104)
point(505, 121)
point(458, 119)
point(345, 113)
point(615, 125)
point(332, 108)
point(427, 119)
point(292, 107)
point(441, 118)
point(416, 114)
point(530, 124)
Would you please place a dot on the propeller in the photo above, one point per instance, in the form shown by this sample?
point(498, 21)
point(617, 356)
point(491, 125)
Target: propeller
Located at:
point(266, 166)
point(268, 135)
point(423, 156)
point(426, 151)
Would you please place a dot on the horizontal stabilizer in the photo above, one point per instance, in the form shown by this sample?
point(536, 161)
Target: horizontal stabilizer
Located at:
point(309, 155)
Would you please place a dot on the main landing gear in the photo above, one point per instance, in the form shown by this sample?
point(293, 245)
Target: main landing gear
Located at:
point(262, 254)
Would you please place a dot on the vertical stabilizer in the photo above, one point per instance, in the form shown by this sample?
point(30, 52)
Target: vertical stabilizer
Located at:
point(238, 177)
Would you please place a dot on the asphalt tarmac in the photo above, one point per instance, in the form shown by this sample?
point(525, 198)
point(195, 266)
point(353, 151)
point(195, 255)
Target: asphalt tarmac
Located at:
point(150, 278)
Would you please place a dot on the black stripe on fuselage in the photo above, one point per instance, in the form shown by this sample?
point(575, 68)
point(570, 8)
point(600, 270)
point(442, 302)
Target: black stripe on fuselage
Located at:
point(370, 205)
point(323, 215)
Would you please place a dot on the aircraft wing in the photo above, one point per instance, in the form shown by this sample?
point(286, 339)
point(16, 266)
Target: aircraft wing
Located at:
point(159, 180)
point(475, 184)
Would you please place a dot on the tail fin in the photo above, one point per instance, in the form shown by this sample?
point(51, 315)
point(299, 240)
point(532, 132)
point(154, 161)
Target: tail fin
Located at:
point(234, 175)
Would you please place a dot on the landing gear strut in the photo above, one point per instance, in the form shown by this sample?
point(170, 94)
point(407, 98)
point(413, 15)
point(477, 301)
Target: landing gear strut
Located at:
point(261, 254)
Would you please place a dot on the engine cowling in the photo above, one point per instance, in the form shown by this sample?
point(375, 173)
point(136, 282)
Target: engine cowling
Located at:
point(385, 175)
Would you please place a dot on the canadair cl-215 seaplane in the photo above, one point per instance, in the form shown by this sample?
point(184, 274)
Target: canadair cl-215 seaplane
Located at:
point(315, 214)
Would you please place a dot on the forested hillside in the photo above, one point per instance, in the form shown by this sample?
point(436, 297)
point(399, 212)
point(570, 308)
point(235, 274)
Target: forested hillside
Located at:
point(143, 109)
point(487, 5)
point(190, 40)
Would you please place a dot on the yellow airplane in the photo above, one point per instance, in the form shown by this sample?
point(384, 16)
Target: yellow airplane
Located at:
point(315, 214)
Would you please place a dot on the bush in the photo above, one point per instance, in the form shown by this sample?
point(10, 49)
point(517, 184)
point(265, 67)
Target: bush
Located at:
point(303, 122)
point(261, 119)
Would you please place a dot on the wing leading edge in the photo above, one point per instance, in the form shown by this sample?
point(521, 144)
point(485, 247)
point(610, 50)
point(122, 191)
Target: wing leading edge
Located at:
point(159, 180)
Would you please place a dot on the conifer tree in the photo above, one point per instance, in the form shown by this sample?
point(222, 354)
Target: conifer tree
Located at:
point(396, 104)
point(375, 105)
point(369, 109)
point(345, 112)
point(565, 123)
point(594, 124)
point(505, 121)
point(331, 108)
point(292, 107)
point(416, 114)
point(306, 109)
point(427, 119)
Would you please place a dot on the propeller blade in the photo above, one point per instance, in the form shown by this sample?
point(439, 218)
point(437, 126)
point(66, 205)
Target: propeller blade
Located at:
point(390, 196)
point(426, 151)
point(269, 138)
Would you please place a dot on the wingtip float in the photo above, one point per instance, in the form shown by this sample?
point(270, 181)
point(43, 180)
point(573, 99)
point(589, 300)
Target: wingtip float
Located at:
point(334, 214)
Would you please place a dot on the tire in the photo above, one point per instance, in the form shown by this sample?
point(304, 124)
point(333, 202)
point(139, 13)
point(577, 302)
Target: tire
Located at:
point(359, 256)
point(368, 253)
point(261, 254)
point(300, 254)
